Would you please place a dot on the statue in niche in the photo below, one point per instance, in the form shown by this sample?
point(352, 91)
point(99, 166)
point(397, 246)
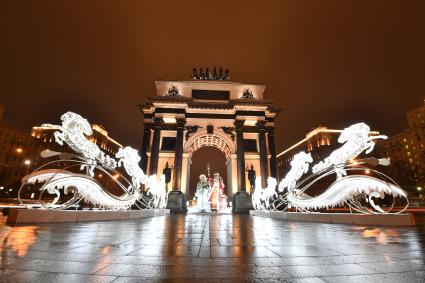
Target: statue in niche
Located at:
point(251, 177)
point(167, 174)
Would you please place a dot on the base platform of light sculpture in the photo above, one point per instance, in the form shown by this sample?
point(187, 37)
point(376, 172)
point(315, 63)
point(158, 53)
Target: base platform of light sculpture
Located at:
point(242, 203)
point(404, 219)
point(18, 216)
point(176, 202)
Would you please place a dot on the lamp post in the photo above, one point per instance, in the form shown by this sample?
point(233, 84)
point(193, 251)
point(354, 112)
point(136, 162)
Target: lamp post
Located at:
point(27, 162)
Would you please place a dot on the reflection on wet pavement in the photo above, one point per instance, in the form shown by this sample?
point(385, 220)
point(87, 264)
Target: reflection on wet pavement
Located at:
point(202, 248)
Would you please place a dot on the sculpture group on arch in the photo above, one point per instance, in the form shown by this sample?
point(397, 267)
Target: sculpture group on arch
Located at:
point(360, 191)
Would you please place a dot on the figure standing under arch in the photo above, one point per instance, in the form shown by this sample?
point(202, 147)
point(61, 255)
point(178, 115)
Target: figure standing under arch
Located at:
point(202, 195)
point(217, 190)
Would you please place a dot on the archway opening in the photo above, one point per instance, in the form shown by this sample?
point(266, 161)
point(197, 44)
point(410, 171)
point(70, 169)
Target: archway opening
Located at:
point(200, 158)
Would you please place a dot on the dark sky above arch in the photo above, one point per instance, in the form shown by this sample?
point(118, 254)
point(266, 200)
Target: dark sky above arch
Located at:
point(326, 62)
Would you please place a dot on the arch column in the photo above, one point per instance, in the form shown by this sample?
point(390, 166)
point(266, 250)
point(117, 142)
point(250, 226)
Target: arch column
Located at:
point(158, 122)
point(263, 152)
point(242, 202)
point(145, 145)
point(179, 155)
point(176, 198)
point(240, 152)
point(272, 149)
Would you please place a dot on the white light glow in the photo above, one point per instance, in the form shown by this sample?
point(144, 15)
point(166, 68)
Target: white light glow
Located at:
point(73, 132)
point(346, 190)
point(169, 120)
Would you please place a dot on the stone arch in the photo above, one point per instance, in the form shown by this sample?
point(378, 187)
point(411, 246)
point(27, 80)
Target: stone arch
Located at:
point(218, 140)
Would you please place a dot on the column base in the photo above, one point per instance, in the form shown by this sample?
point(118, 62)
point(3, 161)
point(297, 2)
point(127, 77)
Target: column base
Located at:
point(176, 202)
point(242, 203)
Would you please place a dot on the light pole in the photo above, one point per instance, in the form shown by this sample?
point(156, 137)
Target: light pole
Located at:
point(28, 163)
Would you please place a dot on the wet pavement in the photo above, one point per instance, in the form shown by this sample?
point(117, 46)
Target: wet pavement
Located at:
point(203, 248)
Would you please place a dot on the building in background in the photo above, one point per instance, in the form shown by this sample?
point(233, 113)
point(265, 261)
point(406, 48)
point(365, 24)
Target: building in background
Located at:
point(100, 137)
point(320, 142)
point(407, 154)
point(19, 153)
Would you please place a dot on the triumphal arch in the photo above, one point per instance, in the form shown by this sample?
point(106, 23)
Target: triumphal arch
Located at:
point(209, 110)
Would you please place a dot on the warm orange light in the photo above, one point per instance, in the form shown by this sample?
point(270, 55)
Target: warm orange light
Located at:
point(19, 150)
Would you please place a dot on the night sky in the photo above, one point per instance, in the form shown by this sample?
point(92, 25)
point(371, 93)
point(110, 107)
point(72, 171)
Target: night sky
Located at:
point(324, 62)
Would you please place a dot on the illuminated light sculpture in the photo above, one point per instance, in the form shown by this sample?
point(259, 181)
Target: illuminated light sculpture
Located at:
point(261, 197)
point(358, 192)
point(356, 139)
point(74, 187)
point(73, 132)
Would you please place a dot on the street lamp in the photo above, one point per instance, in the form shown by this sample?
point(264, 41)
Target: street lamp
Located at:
point(419, 189)
point(19, 150)
point(28, 163)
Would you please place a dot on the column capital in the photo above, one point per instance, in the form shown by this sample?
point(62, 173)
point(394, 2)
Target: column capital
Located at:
point(261, 125)
point(158, 122)
point(239, 124)
point(147, 127)
point(181, 122)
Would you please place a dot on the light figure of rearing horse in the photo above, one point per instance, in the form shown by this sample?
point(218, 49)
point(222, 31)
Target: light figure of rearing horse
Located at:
point(355, 140)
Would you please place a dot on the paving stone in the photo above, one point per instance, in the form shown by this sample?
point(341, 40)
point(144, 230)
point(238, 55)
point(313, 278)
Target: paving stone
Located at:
point(203, 248)
point(14, 276)
point(378, 278)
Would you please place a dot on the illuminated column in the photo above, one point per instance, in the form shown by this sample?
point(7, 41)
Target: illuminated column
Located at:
point(240, 152)
point(272, 150)
point(157, 124)
point(145, 145)
point(179, 155)
point(263, 152)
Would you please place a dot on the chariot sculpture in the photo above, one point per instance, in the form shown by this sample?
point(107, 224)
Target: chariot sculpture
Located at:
point(360, 191)
point(75, 180)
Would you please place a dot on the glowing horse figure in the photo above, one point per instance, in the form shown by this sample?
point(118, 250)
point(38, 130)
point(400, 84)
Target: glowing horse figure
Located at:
point(299, 166)
point(157, 190)
point(261, 197)
point(355, 140)
point(129, 157)
point(73, 132)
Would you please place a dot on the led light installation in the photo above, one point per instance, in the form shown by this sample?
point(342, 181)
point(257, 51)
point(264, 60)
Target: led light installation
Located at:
point(72, 186)
point(359, 192)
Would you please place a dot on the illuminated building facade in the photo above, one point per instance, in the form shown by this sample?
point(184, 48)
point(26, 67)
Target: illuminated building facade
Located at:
point(320, 143)
point(100, 137)
point(18, 154)
point(407, 154)
point(209, 110)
